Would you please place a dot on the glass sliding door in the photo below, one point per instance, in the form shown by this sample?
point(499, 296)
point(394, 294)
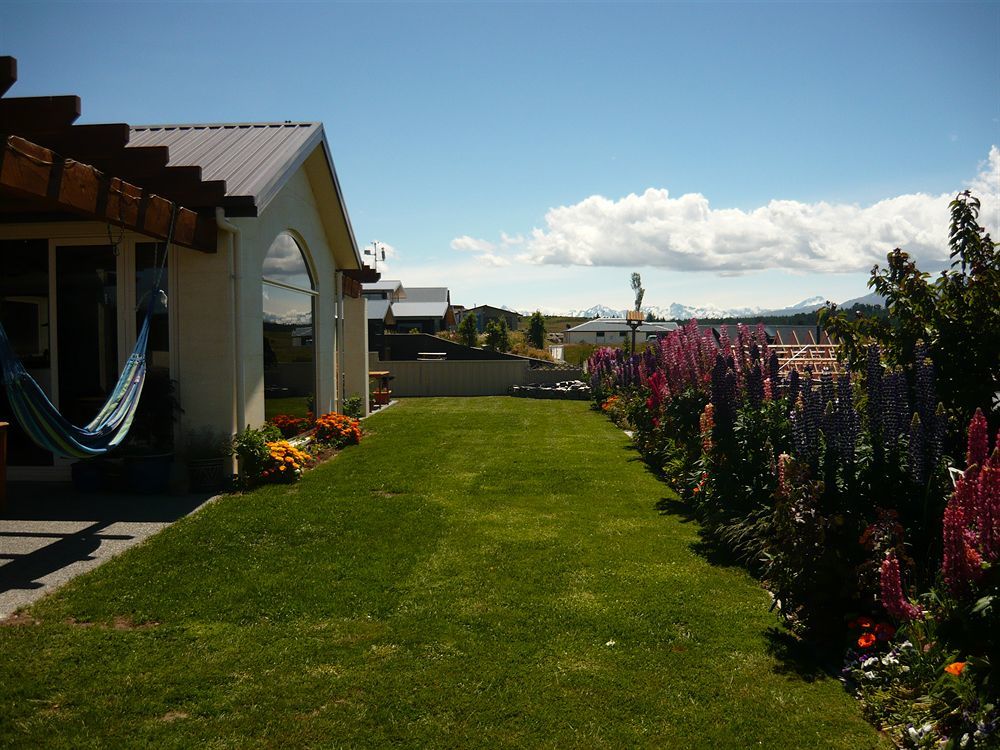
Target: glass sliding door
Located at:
point(24, 312)
point(87, 328)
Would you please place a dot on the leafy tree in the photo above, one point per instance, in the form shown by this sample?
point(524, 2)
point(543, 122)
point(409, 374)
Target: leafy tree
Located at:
point(536, 330)
point(956, 316)
point(467, 331)
point(639, 291)
point(497, 335)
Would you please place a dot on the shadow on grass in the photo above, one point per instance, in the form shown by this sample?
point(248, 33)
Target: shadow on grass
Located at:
point(801, 658)
point(710, 550)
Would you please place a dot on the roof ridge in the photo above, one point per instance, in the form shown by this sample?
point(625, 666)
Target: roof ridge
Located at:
point(221, 125)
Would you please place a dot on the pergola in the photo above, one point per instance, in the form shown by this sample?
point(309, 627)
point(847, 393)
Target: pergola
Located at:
point(51, 169)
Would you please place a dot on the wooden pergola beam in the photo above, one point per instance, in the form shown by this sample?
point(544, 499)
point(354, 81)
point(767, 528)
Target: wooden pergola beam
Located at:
point(8, 73)
point(32, 171)
point(27, 113)
point(81, 142)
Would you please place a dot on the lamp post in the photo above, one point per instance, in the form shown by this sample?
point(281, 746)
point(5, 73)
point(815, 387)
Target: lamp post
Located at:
point(634, 318)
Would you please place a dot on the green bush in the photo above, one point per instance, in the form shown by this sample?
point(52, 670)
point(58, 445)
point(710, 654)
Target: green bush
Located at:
point(354, 407)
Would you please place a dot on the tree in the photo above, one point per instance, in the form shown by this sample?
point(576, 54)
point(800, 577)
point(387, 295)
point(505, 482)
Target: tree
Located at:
point(467, 331)
point(497, 336)
point(955, 318)
point(639, 291)
point(536, 330)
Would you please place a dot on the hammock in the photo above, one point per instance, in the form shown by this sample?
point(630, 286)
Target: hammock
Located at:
point(43, 422)
point(49, 429)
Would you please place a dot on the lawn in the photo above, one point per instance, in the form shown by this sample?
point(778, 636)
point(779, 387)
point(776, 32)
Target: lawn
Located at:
point(477, 573)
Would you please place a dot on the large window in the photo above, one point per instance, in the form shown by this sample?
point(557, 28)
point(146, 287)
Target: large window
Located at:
point(289, 317)
point(24, 312)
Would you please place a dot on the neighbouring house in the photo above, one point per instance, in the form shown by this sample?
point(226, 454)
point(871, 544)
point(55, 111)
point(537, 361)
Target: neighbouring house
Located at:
point(614, 331)
point(380, 319)
point(485, 313)
point(262, 311)
point(424, 309)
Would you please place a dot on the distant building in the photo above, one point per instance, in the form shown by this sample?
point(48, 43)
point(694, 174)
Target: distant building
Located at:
point(395, 309)
point(614, 331)
point(485, 313)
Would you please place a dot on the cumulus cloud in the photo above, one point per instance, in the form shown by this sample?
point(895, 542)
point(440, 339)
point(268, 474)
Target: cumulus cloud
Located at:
point(494, 260)
point(687, 234)
point(472, 244)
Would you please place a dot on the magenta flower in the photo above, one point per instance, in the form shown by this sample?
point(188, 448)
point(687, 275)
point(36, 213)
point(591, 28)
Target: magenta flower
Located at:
point(893, 599)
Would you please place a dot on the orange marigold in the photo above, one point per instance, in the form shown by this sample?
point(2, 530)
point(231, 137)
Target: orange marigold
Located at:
point(867, 640)
point(956, 667)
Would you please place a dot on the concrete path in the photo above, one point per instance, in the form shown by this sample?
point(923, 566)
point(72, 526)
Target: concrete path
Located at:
point(49, 534)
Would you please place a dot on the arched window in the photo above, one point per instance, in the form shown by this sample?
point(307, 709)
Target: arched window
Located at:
point(289, 317)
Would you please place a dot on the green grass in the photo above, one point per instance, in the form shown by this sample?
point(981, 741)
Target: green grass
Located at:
point(478, 573)
point(294, 406)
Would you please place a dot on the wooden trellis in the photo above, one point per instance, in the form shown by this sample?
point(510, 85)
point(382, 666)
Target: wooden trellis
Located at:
point(817, 357)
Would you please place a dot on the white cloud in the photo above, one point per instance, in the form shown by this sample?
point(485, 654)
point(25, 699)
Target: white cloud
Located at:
point(493, 260)
point(688, 234)
point(471, 244)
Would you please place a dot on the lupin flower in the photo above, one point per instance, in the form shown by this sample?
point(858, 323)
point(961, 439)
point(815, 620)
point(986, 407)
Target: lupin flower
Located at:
point(961, 564)
point(979, 442)
point(774, 374)
point(707, 424)
point(783, 486)
point(915, 449)
point(793, 388)
point(893, 599)
point(874, 388)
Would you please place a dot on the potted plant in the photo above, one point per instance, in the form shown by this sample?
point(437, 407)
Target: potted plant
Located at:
point(207, 453)
point(148, 451)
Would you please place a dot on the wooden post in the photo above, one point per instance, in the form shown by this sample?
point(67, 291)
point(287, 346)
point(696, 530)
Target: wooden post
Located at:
point(3, 466)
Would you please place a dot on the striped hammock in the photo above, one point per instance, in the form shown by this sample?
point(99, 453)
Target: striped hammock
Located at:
point(49, 429)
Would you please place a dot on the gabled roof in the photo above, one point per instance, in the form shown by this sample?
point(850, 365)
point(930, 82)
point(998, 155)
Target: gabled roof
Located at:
point(380, 309)
point(487, 308)
point(428, 294)
point(254, 159)
point(385, 285)
point(410, 309)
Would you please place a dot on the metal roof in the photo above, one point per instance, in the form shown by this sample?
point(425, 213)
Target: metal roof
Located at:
point(385, 285)
point(484, 308)
point(427, 294)
point(618, 324)
point(378, 309)
point(419, 309)
point(254, 159)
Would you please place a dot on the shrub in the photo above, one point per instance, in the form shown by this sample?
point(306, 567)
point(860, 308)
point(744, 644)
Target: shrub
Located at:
point(284, 462)
point(468, 331)
point(250, 446)
point(498, 335)
point(536, 330)
point(354, 407)
point(954, 320)
point(337, 430)
point(291, 426)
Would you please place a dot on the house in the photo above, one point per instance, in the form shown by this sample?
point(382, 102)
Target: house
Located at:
point(261, 308)
point(614, 331)
point(485, 313)
point(424, 309)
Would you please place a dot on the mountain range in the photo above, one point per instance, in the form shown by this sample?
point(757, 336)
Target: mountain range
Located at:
point(678, 311)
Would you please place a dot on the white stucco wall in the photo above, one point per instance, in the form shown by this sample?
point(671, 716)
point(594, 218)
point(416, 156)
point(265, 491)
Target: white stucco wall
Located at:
point(356, 349)
point(295, 211)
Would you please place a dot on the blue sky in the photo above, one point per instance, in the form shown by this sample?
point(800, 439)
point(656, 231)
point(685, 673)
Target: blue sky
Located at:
point(535, 154)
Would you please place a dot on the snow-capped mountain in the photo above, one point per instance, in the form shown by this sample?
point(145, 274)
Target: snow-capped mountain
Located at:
point(678, 311)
